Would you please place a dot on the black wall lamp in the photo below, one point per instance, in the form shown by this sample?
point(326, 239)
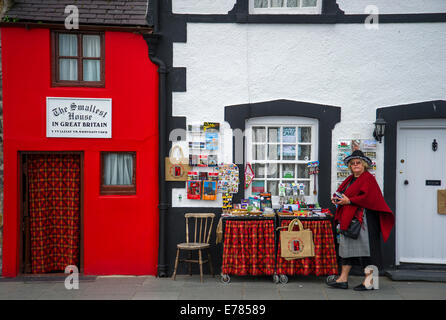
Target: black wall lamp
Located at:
point(380, 126)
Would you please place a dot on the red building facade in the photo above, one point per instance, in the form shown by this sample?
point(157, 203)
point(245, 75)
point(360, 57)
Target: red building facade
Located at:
point(118, 231)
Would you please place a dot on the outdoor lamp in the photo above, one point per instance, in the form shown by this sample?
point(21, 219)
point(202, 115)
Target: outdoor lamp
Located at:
point(380, 126)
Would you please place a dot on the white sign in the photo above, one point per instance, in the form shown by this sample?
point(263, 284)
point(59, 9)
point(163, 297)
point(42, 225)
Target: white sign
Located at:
point(78, 118)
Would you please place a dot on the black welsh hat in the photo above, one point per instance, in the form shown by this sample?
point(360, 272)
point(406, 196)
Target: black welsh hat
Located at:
point(357, 154)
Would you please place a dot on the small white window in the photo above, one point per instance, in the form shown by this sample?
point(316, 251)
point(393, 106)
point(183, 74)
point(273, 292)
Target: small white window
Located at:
point(279, 149)
point(285, 6)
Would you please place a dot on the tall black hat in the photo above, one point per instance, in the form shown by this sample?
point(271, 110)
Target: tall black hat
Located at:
point(357, 154)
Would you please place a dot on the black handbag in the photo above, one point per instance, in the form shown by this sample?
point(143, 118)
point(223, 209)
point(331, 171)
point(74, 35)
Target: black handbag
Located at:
point(353, 229)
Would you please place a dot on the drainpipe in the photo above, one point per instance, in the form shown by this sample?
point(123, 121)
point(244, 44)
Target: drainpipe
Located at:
point(163, 206)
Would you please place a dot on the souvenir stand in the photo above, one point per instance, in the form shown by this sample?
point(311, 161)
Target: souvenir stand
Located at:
point(251, 244)
point(248, 230)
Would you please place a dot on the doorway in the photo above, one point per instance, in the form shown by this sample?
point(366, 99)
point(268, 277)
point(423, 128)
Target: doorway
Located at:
point(421, 155)
point(51, 194)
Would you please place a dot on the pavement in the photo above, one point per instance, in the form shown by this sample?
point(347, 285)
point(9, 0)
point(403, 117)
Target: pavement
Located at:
point(187, 287)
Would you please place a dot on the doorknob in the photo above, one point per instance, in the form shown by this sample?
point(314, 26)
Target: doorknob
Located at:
point(406, 182)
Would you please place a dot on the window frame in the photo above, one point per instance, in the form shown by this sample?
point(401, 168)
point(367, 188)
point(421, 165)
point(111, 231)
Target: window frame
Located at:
point(286, 10)
point(282, 122)
point(116, 189)
point(55, 81)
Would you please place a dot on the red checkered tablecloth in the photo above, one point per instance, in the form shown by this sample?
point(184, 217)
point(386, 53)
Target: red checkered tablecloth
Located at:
point(324, 261)
point(248, 247)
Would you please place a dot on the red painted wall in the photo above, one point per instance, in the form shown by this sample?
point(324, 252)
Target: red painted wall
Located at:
point(120, 232)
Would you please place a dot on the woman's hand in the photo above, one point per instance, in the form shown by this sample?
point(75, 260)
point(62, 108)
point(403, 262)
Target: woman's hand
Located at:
point(343, 201)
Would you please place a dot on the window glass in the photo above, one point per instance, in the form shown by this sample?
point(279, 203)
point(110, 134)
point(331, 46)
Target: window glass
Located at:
point(288, 171)
point(309, 3)
point(304, 152)
point(273, 134)
point(118, 173)
point(118, 168)
point(258, 134)
point(260, 3)
point(92, 70)
point(305, 134)
point(280, 154)
point(78, 59)
point(276, 3)
point(273, 152)
point(91, 46)
point(273, 170)
point(68, 45)
point(68, 69)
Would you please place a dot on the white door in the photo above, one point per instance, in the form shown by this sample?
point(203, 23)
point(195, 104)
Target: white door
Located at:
point(420, 230)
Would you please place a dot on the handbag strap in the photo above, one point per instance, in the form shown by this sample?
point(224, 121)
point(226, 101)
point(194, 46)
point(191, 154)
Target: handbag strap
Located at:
point(293, 222)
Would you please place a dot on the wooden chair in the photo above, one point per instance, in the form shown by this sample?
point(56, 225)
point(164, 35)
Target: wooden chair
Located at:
point(200, 241)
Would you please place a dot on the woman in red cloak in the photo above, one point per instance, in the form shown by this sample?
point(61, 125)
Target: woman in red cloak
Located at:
point(361, 199)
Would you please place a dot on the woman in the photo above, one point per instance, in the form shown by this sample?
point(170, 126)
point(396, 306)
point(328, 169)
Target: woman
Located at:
point(361, 199)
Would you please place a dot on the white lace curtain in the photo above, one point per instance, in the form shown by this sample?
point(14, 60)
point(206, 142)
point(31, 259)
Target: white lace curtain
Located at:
point(118, 168)
point(68, 47)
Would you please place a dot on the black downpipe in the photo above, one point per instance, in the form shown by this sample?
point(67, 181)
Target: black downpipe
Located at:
point(163, 206)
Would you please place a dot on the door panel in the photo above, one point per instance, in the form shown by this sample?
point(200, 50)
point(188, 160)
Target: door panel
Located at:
point(420, 229)
point(52, 212)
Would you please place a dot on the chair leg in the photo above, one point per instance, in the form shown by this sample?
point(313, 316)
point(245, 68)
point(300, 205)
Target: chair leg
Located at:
point(176, 264)
point(210, 263)
point(201, 265)
point(190, 263)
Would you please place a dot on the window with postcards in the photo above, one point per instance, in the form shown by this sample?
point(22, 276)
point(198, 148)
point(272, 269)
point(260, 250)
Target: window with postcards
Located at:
point(279, 151)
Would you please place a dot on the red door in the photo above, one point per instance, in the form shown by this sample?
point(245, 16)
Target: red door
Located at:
point(52, 212)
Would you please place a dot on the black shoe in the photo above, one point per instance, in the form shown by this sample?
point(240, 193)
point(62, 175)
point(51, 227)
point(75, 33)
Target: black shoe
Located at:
point(331, 281)
point(361, 287)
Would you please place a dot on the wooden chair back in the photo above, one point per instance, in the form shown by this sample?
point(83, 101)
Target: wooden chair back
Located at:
point(200, 226)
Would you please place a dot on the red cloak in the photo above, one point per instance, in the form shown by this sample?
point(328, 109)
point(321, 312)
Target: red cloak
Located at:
point(364, 192)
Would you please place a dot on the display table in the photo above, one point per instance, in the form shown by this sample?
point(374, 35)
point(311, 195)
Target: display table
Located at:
point(323, 263)
point(248, 246)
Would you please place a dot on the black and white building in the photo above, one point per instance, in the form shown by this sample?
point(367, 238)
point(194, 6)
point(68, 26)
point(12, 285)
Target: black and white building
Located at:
point(328, 68)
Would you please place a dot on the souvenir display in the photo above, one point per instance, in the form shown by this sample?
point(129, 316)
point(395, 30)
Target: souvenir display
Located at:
point(212, 160)
point(265, 201)
point(213, 176)
point(211, 130)
point(209, 190)
point(203, 160)
point(228, 178)
point(227, 202)
point(203, 176)
point(203, 144)
point(194, 189)
point(192, 175)
point(249, 175)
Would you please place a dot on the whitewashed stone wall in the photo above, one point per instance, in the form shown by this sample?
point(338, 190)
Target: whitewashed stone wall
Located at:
point(342, 65)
